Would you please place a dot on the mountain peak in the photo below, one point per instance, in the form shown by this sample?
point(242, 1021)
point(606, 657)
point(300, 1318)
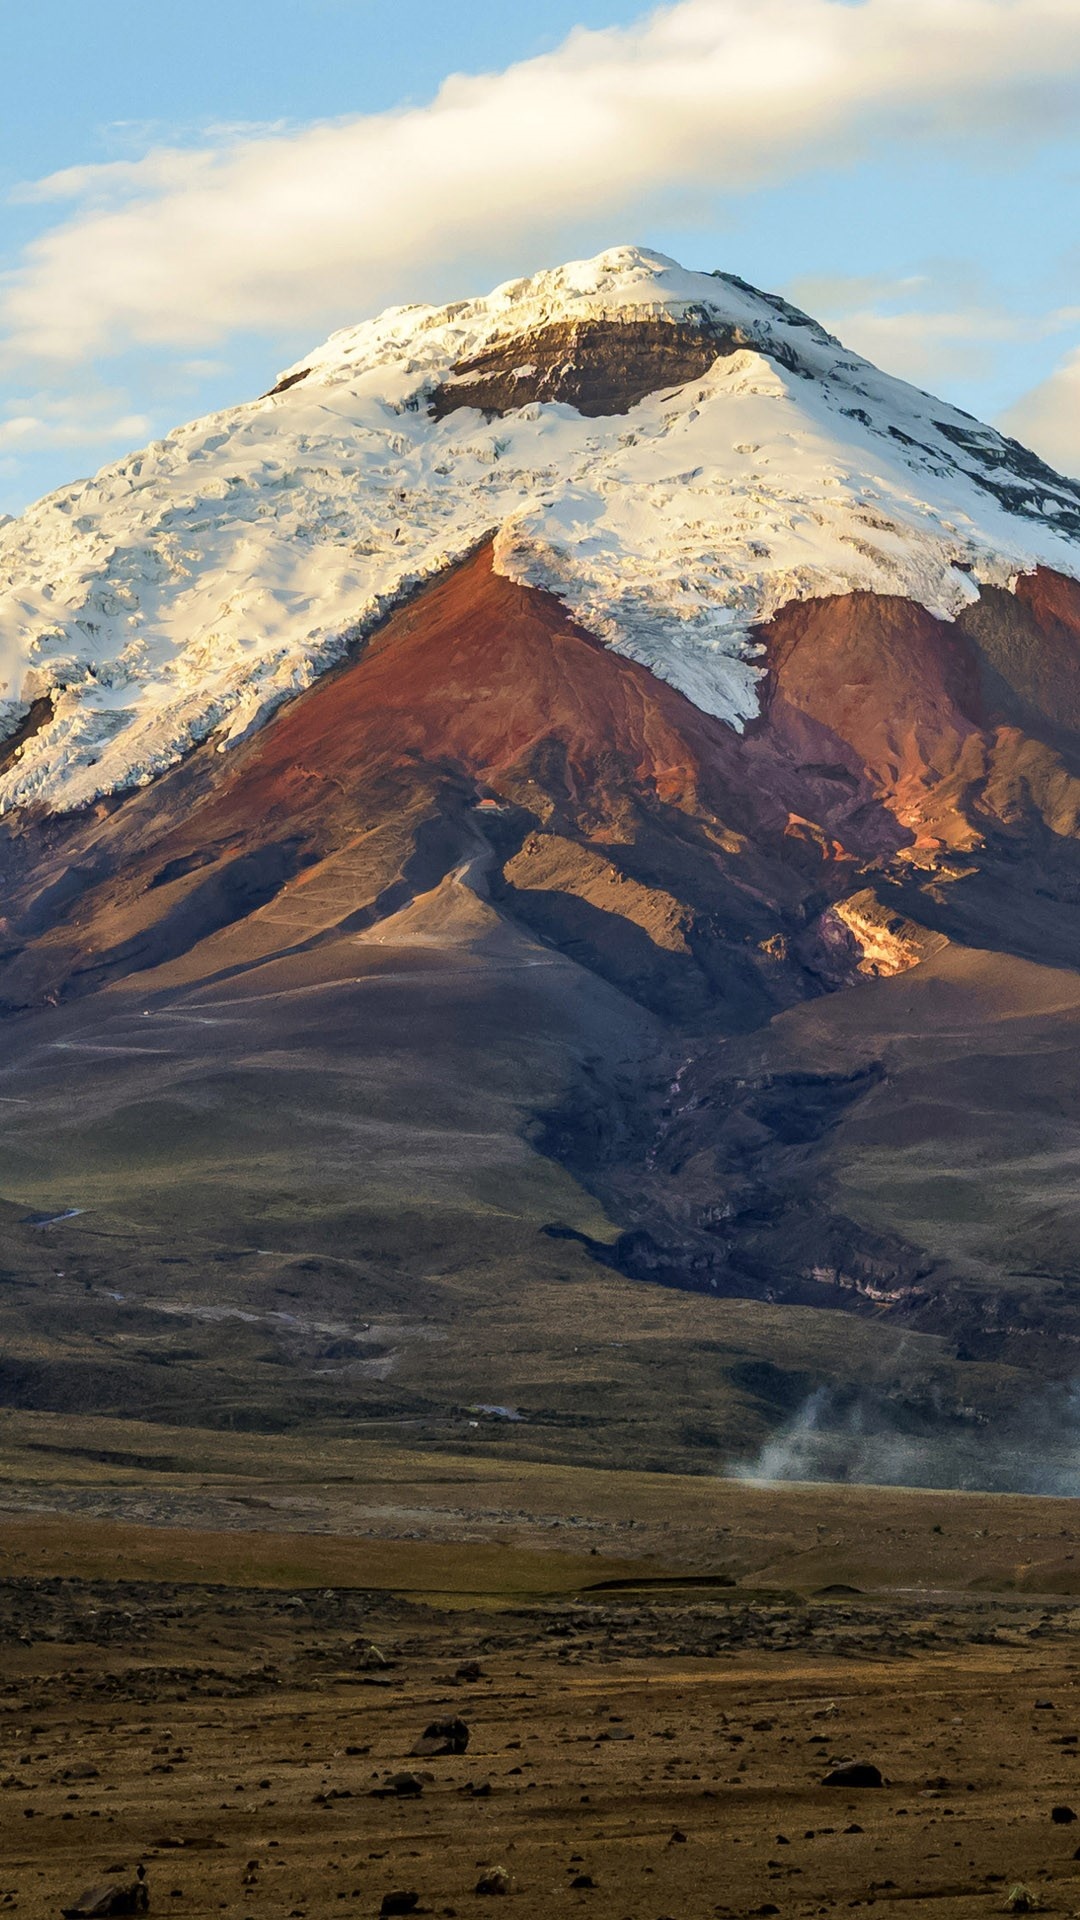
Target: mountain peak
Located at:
point(623, 285)
point(673, 454)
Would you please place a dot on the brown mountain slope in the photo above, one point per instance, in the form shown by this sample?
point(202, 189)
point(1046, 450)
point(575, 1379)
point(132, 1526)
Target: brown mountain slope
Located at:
point(492, 931)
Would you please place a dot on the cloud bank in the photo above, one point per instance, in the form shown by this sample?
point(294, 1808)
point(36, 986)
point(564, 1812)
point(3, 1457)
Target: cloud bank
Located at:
point(282, 230)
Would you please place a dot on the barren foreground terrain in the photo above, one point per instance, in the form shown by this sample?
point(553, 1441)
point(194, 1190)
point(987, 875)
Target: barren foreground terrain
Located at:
point(652, 1709)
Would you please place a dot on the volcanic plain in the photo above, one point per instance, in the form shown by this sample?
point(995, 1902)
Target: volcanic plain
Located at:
point(646, 1682)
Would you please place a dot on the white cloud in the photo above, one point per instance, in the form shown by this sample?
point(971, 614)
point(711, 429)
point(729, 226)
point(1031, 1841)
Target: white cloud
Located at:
point(31, 430)
point(902, 325)
point(89, 416)
point(280, 231)
point(1048, 418)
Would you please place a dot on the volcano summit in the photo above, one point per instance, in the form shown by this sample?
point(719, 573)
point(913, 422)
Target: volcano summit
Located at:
point(572, 789)
point(674, 455)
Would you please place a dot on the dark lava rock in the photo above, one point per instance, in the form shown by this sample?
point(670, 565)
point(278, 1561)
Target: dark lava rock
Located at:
point(442, 1736)
point(583, 1880)
point(399, 1903)
point(859, 1774)
point(112, 1896)
point(1062, 1816)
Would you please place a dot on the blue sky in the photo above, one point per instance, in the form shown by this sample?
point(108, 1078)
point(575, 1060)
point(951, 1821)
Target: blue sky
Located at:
point(238, 178)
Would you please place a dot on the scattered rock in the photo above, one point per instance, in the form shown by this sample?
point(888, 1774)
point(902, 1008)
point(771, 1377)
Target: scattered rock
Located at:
point(495, 1880)
point(469, 1670)
point(1062, 1816)
point(399, 1903)
point(859, 1774)
point(441, 1737)
point(583, 1880)
point(403, 1786)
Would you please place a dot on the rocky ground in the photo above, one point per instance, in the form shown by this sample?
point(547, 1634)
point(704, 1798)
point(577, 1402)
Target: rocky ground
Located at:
point(649, 1752)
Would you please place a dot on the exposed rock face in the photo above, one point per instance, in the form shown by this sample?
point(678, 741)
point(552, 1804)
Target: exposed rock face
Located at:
point(867, 941)
point(599, 367)
point(38, 715)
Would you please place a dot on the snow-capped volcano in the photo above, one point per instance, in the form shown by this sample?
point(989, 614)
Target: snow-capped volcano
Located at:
point(673, 454)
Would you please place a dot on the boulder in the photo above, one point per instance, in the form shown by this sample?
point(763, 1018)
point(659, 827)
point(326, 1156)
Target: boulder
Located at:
point(401, 1786)
point(442, 1736)
point(495, 1880)
point(858, 1774)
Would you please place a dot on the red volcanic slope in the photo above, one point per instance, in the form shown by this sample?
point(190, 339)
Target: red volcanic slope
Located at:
point(900, 688)
point(881, 727)
point(479, 673)
point(930, 708)
point(478, 688)
point(495, 682)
